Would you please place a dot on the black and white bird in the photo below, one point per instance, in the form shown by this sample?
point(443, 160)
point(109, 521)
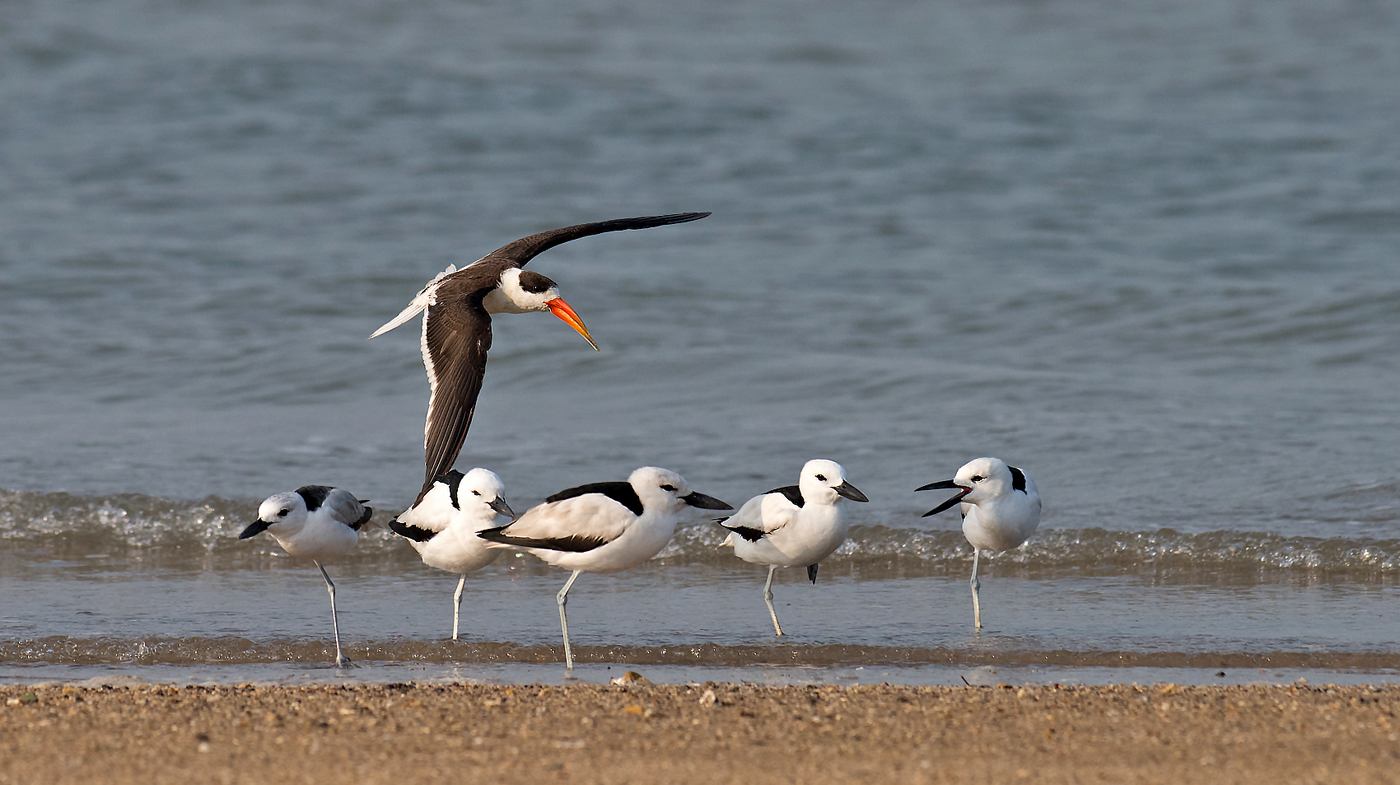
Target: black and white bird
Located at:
point(1000, 511)
point(603, 527)
point(793, 526)
point(442, 526)
point(316, 522)
point(457, 326)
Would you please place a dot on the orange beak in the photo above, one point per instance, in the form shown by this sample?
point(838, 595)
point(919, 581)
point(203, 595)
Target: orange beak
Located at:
point(559, 308)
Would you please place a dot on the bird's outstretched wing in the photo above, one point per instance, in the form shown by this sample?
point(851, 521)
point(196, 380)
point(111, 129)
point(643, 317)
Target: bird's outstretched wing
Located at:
point(518, 253)
point(456, 339)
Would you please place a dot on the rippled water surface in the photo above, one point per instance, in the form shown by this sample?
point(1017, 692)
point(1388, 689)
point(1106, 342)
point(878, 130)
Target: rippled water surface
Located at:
point(1145, 251)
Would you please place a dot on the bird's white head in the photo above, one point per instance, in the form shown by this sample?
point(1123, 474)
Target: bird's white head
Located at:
point(983, 480)
point(282, 514)
point(525, 291)
point(483, 489)
point(824, 482)
point(665, 491)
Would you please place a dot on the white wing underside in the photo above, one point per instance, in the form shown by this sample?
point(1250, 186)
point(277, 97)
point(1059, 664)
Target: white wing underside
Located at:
point(415, 306)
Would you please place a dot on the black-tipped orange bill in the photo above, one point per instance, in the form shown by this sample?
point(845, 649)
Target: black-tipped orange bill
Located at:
point(944, 485)
point(559, 308)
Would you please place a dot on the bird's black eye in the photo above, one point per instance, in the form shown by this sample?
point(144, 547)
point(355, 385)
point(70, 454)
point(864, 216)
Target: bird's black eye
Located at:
point(977, 478)
point(668, 487)
point(282, 513)
point(476, 493)
point(821, 477)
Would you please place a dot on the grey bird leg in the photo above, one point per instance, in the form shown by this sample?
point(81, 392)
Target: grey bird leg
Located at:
point(976, 585)
point(340, 659)
point(768, 598)
point(457, 604)
point(563, 599)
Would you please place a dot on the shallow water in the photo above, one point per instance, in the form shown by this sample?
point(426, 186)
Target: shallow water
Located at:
point(1144, 252)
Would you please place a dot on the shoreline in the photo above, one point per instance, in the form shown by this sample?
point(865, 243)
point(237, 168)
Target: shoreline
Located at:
point(700, 733)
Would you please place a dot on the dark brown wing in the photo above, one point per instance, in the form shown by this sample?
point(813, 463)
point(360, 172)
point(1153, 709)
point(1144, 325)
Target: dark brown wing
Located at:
point(456, 338)
point(516, 254)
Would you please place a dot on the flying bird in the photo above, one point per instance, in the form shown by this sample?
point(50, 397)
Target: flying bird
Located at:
point(603, 527)
point(457, 307)
point(316, 522)
point(442, 526)
point(1000, 510)
point(793, 526)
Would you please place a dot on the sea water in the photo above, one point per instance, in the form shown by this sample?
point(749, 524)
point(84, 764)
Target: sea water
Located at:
point(1146, 252)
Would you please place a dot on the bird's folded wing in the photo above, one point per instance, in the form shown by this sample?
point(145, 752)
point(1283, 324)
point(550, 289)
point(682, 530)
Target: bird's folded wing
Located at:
point(344, 507)
point(760, 516)
point(580, 523)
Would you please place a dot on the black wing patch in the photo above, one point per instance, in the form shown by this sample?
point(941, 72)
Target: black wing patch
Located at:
point(1018, 479)
point(518, 253)
point(621, 492)
point(411, 532)
point(314, 496)
point(747, 532)
point(369, 513)
point(574, 544)
point(792, 492)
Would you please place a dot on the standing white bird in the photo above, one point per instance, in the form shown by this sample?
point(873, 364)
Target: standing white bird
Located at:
point(793, 526)
point(457, 326)
point(319, 523)
point(443, 526)
point(603, 527)
point(1000, 510)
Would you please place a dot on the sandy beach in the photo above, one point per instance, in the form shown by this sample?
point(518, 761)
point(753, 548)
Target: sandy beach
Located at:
point(704, 733)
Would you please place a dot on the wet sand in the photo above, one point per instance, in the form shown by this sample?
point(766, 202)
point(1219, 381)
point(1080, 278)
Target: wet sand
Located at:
point(707, 733)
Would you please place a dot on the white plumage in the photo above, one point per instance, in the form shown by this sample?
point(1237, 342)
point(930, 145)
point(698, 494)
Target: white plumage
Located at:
point(603, 527)
point(316, 522)
point(1000, 507)
point(443, 526)
point(793, 526)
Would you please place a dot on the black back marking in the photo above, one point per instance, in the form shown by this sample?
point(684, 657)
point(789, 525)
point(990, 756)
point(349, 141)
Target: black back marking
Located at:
point(792, 492)
point(573, 544)
point(621, 492)
point(534, 283)
point(453, 480)
point(314, 495)
point(1018, 479)
point(411, 532)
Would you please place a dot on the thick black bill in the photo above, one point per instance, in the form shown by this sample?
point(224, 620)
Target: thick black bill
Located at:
point(850, 492)
point(812, 572)
point(948, 504)
point(499, 505)
point(256, 527)
point(697, 499)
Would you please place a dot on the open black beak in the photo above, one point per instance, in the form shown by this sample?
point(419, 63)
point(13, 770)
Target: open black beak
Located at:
point(499, 505)
point(697, 499)
point(944, 485)
point(255, 528)
point(850, 492)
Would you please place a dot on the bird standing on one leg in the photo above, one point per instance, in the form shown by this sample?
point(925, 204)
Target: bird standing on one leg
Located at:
point(602, 527)
point(317, 522)
point(443, 526)
point(793, 526)
point(1000, 510)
